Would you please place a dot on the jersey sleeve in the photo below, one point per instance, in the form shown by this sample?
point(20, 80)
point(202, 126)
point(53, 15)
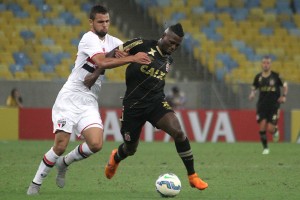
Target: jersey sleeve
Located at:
point(133, 46)
point(90, 45)
point(280, 81)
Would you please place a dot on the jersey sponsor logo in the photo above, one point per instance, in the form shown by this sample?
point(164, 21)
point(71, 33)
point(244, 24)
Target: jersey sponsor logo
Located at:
point(61, 123)
point(151, 71)
point(268, 89)
point(168, 67)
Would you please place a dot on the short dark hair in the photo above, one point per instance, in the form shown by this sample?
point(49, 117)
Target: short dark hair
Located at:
point(177, 29)
point(12, 92)
point(97, 9)
point(267, 57)
point(175, 89)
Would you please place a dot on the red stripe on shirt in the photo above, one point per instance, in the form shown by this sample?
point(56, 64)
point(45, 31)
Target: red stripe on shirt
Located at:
point(90, 59)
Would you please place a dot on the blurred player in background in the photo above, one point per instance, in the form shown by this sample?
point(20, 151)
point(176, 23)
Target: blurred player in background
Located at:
point(176, 98)
point(145, 101)
point(76, 107)
point(268, 83)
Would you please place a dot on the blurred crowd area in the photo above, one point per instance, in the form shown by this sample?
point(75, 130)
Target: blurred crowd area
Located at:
point(39, 38)
point(230, 37)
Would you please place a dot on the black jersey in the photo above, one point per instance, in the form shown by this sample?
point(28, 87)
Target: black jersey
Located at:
point(145, 83)
point(269, 90)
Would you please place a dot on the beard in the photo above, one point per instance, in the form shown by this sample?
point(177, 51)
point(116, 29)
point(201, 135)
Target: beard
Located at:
point(101, 33)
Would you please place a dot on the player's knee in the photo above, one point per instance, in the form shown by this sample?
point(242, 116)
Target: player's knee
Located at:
point(178, 136)
point(271, 129)
point(95, 146)
point(59, 149)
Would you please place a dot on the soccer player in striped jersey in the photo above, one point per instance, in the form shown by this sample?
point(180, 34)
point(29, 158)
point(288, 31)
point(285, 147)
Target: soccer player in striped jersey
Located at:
point(76, 107)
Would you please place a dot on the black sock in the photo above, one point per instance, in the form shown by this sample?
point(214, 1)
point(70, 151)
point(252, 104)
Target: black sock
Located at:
point(263, 139)
point(185, 152)
point(120, 155)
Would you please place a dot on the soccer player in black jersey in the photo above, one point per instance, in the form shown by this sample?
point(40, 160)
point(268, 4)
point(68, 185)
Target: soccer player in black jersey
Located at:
point(144, 100)
point(268, 83)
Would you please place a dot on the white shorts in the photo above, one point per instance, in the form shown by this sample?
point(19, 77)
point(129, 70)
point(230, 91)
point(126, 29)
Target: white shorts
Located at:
point(75, 112)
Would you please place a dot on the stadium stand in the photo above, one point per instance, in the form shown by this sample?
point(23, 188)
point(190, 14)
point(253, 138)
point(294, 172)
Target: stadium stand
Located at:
point(39, 38)
point(230, 37)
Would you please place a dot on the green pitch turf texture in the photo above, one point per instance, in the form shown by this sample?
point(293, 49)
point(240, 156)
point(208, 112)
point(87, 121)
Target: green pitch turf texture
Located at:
point(233, 171)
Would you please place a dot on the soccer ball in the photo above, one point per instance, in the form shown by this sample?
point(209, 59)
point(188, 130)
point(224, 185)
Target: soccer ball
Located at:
point(168, 185)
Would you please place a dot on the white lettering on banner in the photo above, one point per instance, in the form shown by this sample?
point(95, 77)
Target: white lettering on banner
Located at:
point(223, 128)
point(112, 127)
point(199, 133)
point(149, 132)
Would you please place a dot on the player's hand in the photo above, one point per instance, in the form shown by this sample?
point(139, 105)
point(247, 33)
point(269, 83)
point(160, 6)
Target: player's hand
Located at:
point(121, 54)
point(142, 58)
point(282, 99)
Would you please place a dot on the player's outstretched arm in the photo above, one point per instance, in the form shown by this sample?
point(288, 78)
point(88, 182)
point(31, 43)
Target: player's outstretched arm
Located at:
point(282, 98)
point(107, 63)
point(252, 94)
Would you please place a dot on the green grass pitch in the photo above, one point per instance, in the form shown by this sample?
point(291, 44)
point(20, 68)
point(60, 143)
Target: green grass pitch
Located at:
point(233, 171)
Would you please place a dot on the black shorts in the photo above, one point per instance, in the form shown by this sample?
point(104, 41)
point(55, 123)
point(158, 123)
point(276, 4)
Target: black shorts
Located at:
point(271, 115)
point(133, 119)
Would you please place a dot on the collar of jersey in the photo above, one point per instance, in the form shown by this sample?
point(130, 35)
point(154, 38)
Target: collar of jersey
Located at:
point(158, 49)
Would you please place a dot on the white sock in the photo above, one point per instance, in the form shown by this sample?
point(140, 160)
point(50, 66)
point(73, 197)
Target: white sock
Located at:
point(80, 152)
point(46, 165)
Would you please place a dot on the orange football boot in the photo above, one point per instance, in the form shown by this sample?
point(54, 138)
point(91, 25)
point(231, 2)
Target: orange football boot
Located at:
point(112, 165)
point(196, 182)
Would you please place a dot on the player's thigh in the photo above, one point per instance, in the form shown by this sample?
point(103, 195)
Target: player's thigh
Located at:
point(170, 124)
point(262, 124)
point(67, 110)
point(271, 127)
point(163, 117)
point(88, 119)
point(131, 126)
point(273, 116)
